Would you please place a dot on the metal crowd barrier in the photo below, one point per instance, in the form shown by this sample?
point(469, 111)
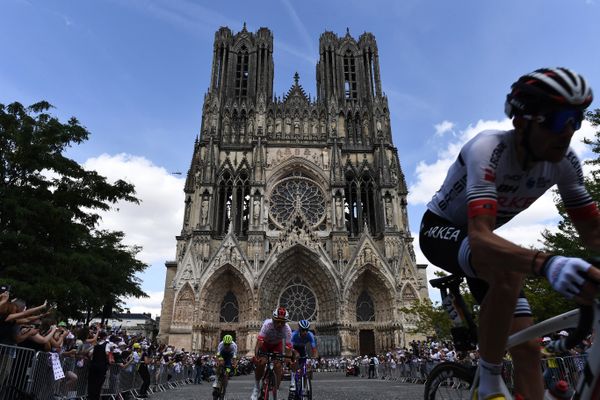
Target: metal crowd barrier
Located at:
point(554, 369)
point(48, 376)
point(417, 370)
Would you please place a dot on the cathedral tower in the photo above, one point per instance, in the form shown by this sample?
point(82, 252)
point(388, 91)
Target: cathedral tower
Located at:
point(293, 201)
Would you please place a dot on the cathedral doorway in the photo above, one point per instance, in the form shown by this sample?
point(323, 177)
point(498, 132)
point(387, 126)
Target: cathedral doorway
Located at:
point(366, 342)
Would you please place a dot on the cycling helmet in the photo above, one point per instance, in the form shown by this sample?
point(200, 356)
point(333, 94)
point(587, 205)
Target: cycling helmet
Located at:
point(304, 324)
point(548, 89)
point(227, 339)
point(280, 314)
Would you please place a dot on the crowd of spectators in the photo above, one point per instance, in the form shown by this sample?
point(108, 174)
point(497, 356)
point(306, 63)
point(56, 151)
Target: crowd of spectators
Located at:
point(100, 347)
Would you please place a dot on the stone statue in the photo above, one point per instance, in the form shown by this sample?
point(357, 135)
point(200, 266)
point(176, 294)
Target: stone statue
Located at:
point(204, 211)
point(256, 211)
point(389, 213)
point(339, 212)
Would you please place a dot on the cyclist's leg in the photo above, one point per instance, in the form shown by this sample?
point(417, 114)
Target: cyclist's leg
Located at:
point(495, 320)
point(526, 361)
point(447, 246)
point(259, 370)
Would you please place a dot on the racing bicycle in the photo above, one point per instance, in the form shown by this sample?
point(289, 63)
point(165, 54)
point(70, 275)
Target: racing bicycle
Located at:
point(268, 382)
point(222, 380)
point(303, 382)
point(451, 380)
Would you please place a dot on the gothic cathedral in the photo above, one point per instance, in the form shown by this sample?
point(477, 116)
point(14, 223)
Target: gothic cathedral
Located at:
point(294, 201)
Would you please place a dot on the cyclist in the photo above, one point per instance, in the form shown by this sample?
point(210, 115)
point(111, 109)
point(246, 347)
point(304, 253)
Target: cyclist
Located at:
point(274, 334)
point(497, 175)
point(300, 338)
point(226, 357)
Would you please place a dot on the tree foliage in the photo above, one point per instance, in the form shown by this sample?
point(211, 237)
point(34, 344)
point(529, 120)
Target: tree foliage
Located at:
point(50, 247)
point(432, 319)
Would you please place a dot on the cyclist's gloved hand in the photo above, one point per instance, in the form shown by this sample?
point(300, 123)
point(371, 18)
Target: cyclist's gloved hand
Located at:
point(565, 274)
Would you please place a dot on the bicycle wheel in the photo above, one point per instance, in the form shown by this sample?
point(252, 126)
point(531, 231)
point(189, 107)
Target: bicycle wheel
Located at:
point(306, 389)
point(449, 381)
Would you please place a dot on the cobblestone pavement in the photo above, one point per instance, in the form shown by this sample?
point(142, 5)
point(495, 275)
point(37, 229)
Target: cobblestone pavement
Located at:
point(327, 385)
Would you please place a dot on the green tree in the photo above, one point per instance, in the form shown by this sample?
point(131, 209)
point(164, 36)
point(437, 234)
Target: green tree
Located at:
point(50, 247)
point(431, 318)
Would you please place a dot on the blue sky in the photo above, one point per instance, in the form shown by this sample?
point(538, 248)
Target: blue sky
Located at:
point(135, 74)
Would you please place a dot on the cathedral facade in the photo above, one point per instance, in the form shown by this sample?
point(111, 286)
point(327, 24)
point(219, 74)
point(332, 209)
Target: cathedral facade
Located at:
point(294, 201)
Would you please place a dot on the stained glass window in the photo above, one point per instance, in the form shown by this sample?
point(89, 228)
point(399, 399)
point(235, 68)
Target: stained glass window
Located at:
point(299, 300)
point(365, 311)
point(229, 308)
point(295, 197)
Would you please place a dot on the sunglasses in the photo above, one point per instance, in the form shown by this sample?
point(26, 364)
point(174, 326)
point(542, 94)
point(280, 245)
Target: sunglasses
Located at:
point(556, 122)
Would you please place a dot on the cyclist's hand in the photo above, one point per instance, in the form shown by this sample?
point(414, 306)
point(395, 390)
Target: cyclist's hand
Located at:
point(566, 274)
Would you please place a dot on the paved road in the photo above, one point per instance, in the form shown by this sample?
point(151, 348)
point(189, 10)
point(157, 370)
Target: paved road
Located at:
point(327, 385)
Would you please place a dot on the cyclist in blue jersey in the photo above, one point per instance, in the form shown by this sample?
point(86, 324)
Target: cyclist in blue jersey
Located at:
point(300, 338)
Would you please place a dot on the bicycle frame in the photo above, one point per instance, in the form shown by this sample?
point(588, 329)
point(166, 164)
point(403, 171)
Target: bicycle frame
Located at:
point(588, 385)
point(269, 379)
point(301, 374)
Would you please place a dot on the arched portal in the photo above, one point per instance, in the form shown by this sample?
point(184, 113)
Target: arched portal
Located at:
point(370, 308)
point(228, 305)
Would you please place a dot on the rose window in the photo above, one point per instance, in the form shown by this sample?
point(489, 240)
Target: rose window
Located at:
point(295, 197)
point(299, 300)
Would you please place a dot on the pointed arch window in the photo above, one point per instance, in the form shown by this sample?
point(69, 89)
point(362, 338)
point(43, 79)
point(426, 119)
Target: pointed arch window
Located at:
point(242, 203)
point(365, 310)
point(230, 311)
point(368, 200)
point(349, 76)
point(224, 203)
point(241, 74)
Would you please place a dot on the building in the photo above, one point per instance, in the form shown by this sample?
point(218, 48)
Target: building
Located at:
point(296, 201)
point(134, 323)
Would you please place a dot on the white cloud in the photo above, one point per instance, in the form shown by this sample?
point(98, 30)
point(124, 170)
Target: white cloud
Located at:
point(443, 127)
point(151, 304)
point(153, 223)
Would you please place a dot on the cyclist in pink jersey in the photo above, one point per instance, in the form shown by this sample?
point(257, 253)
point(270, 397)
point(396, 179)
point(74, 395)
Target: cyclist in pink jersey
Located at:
point(275, 335)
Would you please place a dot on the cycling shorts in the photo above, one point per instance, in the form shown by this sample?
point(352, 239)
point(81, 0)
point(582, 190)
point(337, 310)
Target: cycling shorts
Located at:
point(446, 246)
point(227, 356)
point(272, 347)
point(301, 349)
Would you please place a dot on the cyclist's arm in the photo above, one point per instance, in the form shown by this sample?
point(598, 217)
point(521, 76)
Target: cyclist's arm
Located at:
point(589, 230)
point(313, 345)
point(490, 249)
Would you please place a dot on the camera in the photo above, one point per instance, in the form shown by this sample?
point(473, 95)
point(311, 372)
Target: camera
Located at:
point(5, 288)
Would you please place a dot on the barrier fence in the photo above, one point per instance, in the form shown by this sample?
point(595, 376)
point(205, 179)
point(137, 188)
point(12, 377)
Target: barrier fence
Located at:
point(48, 376)
point(416, 371)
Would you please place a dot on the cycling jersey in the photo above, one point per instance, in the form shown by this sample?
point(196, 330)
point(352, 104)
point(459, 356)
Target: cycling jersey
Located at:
point(487, 179)
point(300, 342)
point(273, 337)
point(227, 353)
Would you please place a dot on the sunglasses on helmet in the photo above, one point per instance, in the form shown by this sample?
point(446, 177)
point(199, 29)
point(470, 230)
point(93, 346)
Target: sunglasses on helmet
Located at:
point(555, 122)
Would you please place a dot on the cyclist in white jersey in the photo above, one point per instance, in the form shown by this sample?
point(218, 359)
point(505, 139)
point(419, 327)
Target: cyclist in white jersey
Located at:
point(274, 335)
point(497, 175)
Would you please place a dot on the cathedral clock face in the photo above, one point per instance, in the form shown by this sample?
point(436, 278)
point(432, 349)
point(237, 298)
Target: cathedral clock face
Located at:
point(295, 197)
